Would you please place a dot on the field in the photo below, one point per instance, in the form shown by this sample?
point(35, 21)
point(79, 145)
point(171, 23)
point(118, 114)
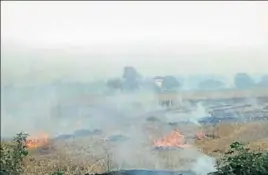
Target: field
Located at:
point(76, 156)
point(216, 95)
point(95, 153)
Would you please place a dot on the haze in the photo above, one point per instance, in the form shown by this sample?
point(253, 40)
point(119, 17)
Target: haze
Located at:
point(43, 42)
point(81, 41)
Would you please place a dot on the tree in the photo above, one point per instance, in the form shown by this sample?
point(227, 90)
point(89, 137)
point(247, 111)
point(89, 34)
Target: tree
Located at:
point(148, 84)
point(243, 81)
point(131, 78)
point(130, 73)
point(115, 84)
point(170, 83)
point(264, 81)
point(211, 84)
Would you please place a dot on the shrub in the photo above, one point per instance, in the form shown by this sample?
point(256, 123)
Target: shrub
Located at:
point(241, 161)
point(12, 154)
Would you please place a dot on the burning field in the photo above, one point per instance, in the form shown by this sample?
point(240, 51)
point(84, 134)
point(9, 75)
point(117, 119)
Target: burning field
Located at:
point(168, 153)
point(171, 152)
point(187, 139)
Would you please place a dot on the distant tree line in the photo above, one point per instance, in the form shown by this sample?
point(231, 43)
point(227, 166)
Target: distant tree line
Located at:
point(131, 80)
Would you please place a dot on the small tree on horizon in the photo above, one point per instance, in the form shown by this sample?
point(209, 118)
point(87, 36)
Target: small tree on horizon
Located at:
point(243, 81)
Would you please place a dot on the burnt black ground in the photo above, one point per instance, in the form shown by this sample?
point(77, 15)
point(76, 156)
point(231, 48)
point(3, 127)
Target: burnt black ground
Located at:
point(146, 172)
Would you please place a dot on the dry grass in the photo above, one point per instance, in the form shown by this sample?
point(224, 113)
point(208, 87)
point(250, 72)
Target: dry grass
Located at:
point(87, 155)
point(71, 157)
point(255, 134)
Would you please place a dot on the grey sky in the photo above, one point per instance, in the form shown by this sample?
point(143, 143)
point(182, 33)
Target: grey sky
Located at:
point(82, 40)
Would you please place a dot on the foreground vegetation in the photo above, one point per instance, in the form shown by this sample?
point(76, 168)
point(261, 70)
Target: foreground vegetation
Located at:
point(12, 154)
point(239, 160)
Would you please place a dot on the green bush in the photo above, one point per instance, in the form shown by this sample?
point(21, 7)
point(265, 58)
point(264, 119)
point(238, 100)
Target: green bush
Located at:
point(241, 161)
point(12, 154)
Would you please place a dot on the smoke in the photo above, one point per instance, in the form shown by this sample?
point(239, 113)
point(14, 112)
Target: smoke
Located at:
point(127, 116)
point(193, 116)
point(37, 55)
point(204, 165)
point(26, 108)
point(34, 110)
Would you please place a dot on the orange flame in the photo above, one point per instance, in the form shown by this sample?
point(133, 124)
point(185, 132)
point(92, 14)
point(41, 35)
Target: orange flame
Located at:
point(200, 135)
point(174, 139)
point(37, 141)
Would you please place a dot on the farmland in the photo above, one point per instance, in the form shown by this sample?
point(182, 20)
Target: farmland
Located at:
point(129, 143)
point(219, 94)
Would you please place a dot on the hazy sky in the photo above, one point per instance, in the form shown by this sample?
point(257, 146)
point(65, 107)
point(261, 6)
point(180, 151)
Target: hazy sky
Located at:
point(96, 39)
